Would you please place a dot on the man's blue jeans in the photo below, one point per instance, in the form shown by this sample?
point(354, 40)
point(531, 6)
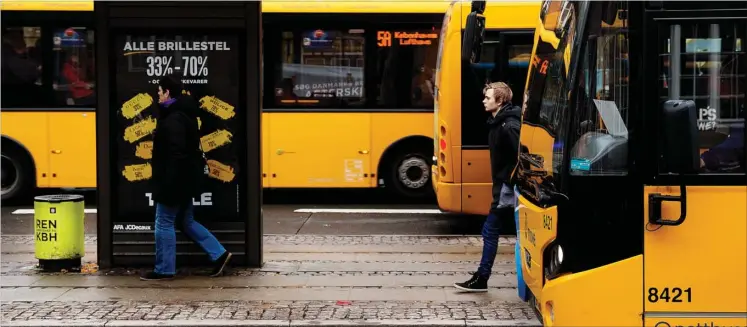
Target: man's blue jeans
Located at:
point(491, 231)
point(166, 219)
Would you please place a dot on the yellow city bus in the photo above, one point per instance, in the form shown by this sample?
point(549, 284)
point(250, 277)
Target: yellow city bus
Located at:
point(631, 174)
point(348, 99)
point(461, 168)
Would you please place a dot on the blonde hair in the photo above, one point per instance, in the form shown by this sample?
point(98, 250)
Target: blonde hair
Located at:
point(501, 92)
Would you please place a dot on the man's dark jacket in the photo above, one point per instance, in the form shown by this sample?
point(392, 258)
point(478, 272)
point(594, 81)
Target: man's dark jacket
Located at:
point(177, 159)
point(503, 141)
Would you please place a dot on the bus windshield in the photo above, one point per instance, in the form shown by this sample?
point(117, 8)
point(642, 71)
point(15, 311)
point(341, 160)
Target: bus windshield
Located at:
point(547, 94)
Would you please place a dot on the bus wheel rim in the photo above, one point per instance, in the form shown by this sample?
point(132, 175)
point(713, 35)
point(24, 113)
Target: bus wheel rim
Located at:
point(8, 170)
point(413, 172)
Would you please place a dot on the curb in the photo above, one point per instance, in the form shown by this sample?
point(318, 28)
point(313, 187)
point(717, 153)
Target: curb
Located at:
point(268, 323)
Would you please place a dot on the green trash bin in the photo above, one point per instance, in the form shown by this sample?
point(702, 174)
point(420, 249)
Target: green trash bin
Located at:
point(59, 231)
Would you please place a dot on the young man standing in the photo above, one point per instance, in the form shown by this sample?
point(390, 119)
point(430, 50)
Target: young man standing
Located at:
point(503, 141)
point(178, 167)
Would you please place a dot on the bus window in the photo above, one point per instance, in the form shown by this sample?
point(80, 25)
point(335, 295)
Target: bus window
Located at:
point(504, 58)
point(74, 60)
point(599, 131)
point(22, 67)
point(321, 68)
point(705, 62)
point(405, 69)
point(546, 108)
point(518, 53)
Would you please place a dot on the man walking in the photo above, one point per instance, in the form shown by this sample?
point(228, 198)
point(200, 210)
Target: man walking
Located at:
point(178, 167)
point(503, 140)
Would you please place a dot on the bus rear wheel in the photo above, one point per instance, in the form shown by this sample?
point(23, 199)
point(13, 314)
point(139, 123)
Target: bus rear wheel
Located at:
point(410, 175)
point(15, 174)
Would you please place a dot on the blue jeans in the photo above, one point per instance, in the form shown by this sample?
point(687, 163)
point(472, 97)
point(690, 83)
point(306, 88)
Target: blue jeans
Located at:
point(491, 231)
point(166, 219)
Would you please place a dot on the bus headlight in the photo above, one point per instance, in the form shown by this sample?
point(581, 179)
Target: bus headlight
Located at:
point(556, 257)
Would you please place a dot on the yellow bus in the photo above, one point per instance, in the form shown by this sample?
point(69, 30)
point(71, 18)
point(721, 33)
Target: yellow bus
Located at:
point(631, 174)
point(461, 163)
point(348, 95)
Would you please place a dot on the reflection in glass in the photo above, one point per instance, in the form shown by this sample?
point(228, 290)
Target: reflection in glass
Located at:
point(540, 160)
point(327, 66)
point(21, 67)
point(75, 63)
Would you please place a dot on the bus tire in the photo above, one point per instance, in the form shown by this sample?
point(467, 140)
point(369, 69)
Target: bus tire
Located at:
point(17, 171)
point(409, 173)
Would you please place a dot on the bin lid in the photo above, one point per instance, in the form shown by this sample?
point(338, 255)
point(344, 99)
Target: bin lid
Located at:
point(57, 198)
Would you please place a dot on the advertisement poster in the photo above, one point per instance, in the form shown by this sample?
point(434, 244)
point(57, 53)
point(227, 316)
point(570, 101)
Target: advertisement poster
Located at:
point(209, 68)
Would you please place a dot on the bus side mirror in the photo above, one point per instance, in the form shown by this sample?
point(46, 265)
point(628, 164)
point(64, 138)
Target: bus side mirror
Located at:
point(679, 148)
point(474, 33)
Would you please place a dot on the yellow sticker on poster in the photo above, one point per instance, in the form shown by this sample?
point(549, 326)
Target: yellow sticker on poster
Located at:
point(215, 140)
point(136, 105)
point(139, 172)
point(140, 129)
point(220, 171)
point(144, 150)
point(217, 107)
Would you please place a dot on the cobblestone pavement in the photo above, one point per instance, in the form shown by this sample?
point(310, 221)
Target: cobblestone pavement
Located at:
point(224, 306)
point(326, 240)
point(29, 239)
point(30, 269)
point(266, 310)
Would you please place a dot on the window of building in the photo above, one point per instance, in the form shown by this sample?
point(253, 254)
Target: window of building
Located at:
point(22, 67)
point(405, 67)
point(599, 131)
point(321, 68)
point(705, 62)
point(74, 59)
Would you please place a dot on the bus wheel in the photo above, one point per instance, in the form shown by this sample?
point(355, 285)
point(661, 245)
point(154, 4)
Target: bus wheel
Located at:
point(411, 175)
point(16, 173)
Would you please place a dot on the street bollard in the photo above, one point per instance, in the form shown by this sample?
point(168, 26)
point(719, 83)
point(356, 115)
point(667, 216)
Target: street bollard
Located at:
point(59, 231)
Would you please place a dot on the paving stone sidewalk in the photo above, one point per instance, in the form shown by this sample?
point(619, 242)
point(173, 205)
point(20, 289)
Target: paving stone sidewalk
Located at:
point(268, 310)
point(296, 239)
point(364, 281)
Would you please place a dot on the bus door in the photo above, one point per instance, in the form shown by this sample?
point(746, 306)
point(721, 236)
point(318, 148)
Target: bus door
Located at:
point(695, 259)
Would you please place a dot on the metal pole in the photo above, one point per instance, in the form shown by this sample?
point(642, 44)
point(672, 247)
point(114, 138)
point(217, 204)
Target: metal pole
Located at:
point(253, 187)
point(103, 139)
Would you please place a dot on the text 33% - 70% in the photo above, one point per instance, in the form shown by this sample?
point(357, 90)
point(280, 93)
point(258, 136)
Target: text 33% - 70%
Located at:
point(191, 66)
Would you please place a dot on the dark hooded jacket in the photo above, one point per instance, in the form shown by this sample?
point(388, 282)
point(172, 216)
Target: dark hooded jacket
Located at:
point(503, 141)
point(177, 161)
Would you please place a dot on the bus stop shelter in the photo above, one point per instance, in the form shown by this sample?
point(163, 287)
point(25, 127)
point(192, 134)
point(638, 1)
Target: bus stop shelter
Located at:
point(215, 47)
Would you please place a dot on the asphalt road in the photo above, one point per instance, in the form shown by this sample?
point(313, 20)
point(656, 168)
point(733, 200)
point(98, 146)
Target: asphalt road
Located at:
point(364, 212)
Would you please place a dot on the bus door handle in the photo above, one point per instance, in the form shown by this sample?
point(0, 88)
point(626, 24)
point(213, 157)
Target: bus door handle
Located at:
point(56, 151)
point(654, 207)
point(363, 151)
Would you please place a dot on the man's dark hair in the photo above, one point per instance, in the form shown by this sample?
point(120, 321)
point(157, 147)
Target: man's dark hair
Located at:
point(172, 84)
